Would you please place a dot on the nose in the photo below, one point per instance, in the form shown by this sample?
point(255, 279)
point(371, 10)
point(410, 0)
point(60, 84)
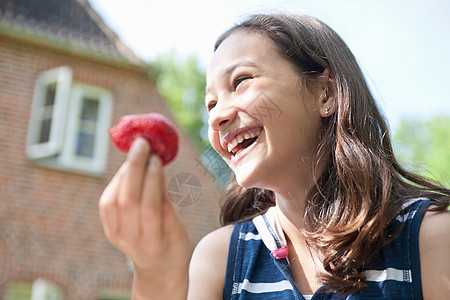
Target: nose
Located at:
point(220, 117)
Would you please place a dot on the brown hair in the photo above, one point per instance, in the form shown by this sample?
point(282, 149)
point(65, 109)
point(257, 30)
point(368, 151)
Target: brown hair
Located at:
point(362, 187)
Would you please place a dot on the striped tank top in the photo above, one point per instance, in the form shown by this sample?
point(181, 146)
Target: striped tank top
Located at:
point(257, 267)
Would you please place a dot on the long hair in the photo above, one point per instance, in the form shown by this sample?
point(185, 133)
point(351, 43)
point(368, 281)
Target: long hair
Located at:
point(362, 187)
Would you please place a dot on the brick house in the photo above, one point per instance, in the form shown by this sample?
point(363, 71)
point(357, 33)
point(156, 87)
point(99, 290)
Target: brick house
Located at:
point(65, 78)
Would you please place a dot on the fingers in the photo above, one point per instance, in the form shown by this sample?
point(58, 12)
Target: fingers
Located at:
point(134, 207)
point(138, 217)
point(129, 193)
point(152, 198)
point(108, 205)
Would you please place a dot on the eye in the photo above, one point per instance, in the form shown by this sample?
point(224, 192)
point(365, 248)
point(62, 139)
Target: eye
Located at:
point(239, 80)
point(211, 105)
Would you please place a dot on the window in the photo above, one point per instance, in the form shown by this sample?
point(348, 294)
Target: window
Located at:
point(69, 124)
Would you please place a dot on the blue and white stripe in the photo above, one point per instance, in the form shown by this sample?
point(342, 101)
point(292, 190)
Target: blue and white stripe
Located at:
point(262, 287)
point(253, 273)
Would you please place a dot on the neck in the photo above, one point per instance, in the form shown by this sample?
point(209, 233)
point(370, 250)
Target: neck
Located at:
point(291, 206)
point(290, 213)
point(304, 261)
point(291, 189)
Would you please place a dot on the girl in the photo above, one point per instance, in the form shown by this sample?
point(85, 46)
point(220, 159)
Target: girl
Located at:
point(319, 207)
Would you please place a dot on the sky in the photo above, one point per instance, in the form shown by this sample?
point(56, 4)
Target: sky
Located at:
point(402, 46)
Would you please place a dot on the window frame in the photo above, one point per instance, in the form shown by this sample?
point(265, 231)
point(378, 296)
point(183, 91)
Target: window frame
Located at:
point(60, 151)
point(62, 77)
point(68, 157)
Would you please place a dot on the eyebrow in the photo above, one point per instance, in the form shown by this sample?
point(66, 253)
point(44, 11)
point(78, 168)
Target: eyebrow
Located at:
point(230, 69)
point(244, 63)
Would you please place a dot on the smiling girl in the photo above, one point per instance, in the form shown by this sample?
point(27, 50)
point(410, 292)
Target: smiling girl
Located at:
point(318, 206)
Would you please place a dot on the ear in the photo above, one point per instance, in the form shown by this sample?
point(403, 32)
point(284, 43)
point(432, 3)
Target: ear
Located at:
point(327, 101)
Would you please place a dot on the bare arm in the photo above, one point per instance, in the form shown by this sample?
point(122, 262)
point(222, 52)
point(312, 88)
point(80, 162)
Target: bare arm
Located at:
point(208, 265)
point(434, 247)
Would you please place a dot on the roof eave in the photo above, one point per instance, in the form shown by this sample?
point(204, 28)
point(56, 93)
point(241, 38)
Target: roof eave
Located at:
point(70, 46)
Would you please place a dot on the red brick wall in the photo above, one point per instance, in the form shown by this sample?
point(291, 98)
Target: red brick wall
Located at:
point(49, 222)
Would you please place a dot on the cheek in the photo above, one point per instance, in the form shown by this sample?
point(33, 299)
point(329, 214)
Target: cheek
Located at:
point(214, 139)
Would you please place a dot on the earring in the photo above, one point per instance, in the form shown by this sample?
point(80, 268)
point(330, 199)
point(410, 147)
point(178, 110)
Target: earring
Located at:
point(327, 110)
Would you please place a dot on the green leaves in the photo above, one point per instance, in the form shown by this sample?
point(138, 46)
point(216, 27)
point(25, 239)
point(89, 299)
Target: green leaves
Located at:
point(181, 82)
point(424, 147)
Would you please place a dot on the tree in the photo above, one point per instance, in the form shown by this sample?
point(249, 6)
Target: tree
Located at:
point(182, 83)
point(424, 147)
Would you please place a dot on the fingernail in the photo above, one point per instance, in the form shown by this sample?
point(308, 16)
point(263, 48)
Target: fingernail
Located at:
point(155, 162)
point(140, 144)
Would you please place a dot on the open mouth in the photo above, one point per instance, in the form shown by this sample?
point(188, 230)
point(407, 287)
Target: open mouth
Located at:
point(242, 141)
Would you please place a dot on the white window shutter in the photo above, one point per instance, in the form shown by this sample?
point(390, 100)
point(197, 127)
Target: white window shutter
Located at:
point(62, 78)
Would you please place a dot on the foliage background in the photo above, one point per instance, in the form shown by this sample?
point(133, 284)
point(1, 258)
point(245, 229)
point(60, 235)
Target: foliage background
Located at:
point(181, 81)
point(424, 146)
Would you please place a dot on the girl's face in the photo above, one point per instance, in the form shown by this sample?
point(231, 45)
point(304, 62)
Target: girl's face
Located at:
point(262, 121)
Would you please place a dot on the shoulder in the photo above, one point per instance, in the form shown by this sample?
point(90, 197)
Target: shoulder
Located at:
point(434, 245)
point(208, 265)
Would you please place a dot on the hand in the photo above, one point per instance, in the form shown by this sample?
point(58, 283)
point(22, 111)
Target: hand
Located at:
point(140, 221)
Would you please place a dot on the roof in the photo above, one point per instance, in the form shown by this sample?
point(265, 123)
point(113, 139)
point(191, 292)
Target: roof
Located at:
point(69, 23)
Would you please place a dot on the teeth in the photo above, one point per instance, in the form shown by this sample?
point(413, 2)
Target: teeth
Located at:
point(234, 142)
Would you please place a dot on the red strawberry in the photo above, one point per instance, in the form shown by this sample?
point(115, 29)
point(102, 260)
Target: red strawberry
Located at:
point(154, 127)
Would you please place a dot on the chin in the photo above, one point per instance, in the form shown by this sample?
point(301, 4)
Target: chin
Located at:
point(246, 180)
point(242, 183)
point(242, 180)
